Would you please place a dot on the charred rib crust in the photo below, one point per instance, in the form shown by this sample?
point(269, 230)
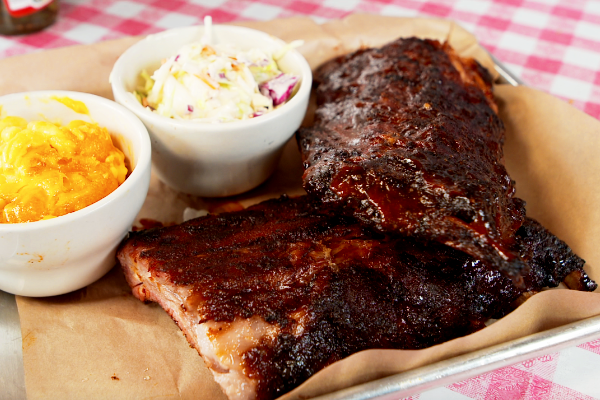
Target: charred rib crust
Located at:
point(406, 138)
point(551, 260)
point(329, 286)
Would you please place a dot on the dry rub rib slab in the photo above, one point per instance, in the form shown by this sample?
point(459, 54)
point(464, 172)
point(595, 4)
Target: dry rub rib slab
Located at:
point(406, 138)
point(274, 293)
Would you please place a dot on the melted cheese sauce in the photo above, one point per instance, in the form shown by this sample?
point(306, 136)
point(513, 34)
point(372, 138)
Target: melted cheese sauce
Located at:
point(78, 106)
point(48, 170)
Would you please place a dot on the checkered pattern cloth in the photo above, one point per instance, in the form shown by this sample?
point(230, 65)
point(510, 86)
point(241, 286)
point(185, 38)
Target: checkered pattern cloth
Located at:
point(571, 374)
point(552, 45)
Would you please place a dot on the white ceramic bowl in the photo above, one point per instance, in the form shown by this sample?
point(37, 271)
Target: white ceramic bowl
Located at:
point(59, 255)
point(208, 159)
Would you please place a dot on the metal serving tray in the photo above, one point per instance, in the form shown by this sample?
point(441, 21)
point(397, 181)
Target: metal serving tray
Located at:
point(12, 375)
point(12, 381)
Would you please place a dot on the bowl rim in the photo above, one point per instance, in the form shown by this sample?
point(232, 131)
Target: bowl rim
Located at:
point(128, 100)
point(141, 167)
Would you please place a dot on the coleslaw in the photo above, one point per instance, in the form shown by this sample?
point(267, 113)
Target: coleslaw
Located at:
point(217, 83)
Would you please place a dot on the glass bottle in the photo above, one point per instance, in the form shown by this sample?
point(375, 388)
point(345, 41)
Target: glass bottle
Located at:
point(26, 16)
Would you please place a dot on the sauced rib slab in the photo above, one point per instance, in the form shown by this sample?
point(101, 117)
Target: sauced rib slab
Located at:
point(274, 293)
point(406, 138)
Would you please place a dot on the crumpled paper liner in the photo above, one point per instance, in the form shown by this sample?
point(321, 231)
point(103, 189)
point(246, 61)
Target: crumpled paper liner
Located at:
point(100, 342)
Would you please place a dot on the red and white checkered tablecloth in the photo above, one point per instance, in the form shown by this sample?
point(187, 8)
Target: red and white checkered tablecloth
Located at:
point(552, 45)
point(570, 374)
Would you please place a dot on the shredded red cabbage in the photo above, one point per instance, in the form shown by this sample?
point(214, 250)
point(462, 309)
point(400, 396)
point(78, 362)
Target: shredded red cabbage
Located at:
point(279, 88)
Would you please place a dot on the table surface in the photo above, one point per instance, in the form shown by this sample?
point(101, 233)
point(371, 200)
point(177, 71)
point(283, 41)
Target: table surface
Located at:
point(552, 45)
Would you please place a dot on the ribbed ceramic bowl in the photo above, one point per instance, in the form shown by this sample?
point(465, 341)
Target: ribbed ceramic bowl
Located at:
point(59, 255)
point(208, 159)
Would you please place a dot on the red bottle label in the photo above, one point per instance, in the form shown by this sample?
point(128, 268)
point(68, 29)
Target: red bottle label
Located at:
point(21, 8)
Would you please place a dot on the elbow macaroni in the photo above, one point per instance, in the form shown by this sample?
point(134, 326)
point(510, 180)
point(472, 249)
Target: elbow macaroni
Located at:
point(47, 170)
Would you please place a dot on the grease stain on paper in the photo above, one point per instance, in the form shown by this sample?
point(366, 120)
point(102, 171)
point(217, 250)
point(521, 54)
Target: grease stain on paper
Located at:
point(28, 341)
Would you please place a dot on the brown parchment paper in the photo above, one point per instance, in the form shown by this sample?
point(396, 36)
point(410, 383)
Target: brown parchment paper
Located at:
point(100, 342)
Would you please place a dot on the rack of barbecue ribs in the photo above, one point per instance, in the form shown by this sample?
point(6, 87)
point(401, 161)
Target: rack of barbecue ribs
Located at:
point(410, 235)
point(406, 138)
point(274, 293)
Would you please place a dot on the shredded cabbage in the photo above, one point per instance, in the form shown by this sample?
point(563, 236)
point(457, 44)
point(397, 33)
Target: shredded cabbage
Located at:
point(217, 83)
